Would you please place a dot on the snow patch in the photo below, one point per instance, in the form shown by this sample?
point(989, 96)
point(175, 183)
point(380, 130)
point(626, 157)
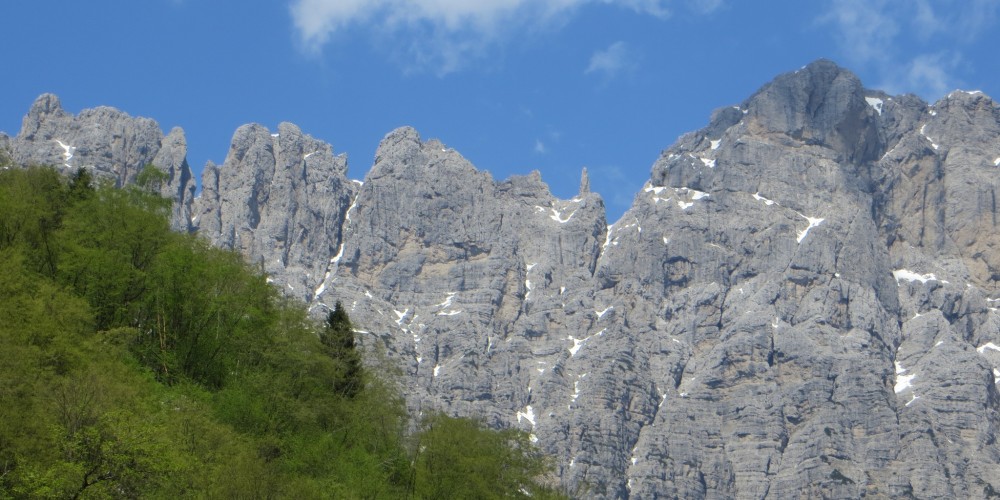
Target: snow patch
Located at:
point(447, 300)
point(996, 376)
point(903, 382)
point(924, 133)
point(67, 152)
point(715, 144)
point(655, 190)
point(437, 370)
point(449, 313)
point(601, 314)
point(766, 201)
point(989, 345)
point(528, 414)
point(875, 103)
point(913, 398)
point(399, 316)
point(557, 216)
point(684, 205)
point(813, 222)
point(710, 163)
point(996, 162)
point(578, 343)
point(906, 274)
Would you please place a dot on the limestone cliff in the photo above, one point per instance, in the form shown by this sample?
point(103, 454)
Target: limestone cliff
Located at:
point(799, 303)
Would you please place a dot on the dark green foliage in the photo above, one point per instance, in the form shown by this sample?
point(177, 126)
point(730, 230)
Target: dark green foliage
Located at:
point(338, 337)
point(137, 362)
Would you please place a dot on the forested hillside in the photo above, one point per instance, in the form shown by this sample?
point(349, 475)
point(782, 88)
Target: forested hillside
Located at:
point(140, 362)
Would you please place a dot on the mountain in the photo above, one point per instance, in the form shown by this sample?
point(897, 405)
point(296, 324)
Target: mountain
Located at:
point(800, 301)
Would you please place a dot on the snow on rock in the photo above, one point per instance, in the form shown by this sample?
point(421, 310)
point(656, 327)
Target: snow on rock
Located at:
point(766, 201)
point(813, 222)
point(557, 216)
point(875, 103)
point(996, 162)
point(67, 152)
point(694, 194)
point(321, 288)
point(715, 144)
point(906, 274)
point(903, 382)
point(710, 163)
point(528, 414)
point(437, 370)
point(651, 189)
point(601, 314)
point(577, 344)
point(400, 315)
point(924, 133)
point(447, 300)
point(989, 345)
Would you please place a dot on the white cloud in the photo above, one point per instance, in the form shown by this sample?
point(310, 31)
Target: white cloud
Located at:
point(933, 73)
point(865, 29)
point(540, 147)
point(912, 46)
point(443, 34)
point(612, 61)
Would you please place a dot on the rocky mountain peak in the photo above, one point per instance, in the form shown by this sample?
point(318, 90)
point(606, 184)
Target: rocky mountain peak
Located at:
point(109, 143)
point(822, 104)
point(799, 303)
point(45, 107)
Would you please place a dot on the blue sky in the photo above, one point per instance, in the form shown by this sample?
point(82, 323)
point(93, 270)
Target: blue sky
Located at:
point(513, 85)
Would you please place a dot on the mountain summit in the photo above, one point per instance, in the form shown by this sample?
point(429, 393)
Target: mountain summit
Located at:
point(799, 302)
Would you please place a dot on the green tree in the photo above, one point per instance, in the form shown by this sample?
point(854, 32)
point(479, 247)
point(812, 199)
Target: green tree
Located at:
point(338, 337)
point(460, 458)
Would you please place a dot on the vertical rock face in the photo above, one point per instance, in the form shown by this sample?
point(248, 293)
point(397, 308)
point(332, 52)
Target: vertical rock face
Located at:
point(280, 199)
point(111, 144)
point(799, 303)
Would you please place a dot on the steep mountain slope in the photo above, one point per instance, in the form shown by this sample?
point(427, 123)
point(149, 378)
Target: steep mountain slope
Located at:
point(799, 302)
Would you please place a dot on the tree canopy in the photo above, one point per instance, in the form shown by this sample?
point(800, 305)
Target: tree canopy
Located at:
point(139, 362)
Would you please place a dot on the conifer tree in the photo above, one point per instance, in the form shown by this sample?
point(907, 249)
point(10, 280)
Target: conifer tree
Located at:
point(338, 337)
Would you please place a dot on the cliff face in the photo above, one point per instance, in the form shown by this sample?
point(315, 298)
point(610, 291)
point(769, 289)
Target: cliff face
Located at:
point(108, 143)
point(798, 303)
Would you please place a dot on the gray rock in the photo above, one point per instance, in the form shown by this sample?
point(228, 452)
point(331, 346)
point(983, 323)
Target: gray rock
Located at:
point(801, 302)
point(280, 199)
point(110, 143)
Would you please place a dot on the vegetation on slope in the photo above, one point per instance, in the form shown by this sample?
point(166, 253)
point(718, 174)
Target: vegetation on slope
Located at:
point(138, 362)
